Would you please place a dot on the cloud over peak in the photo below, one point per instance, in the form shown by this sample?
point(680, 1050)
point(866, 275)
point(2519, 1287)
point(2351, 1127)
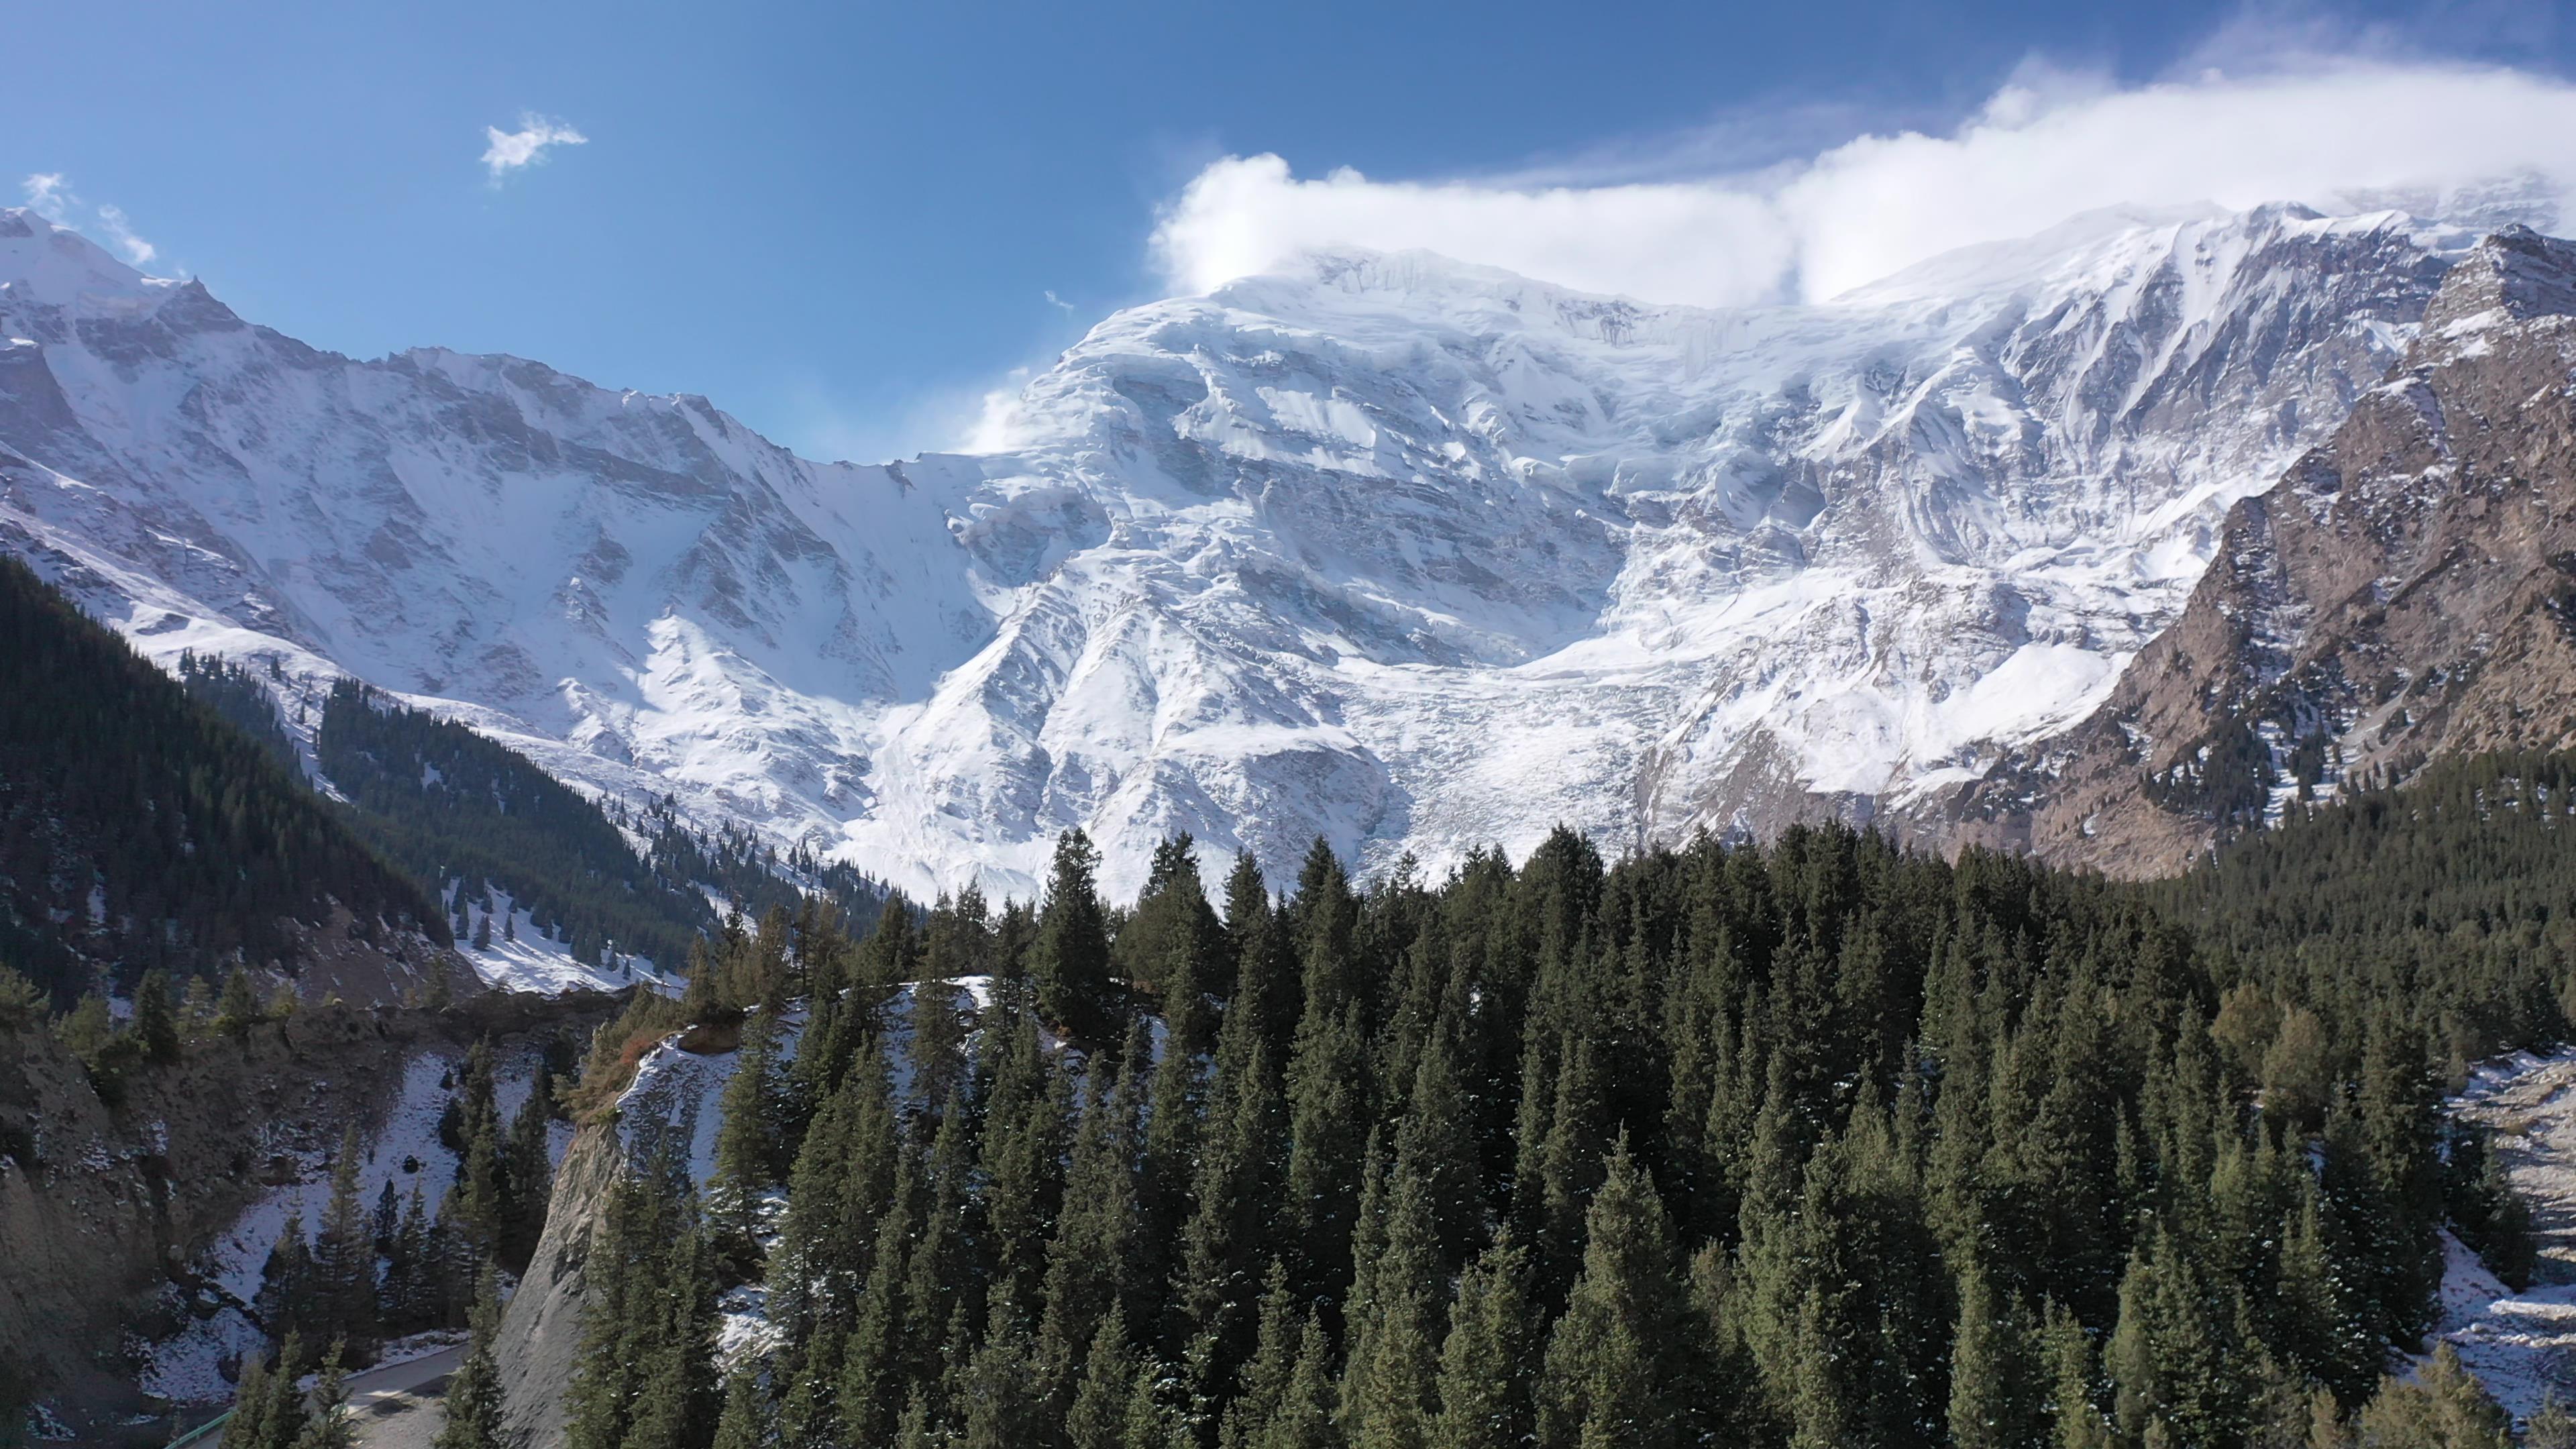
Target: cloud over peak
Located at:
point(2345, 133)
point(49, 195)
point(510, 151)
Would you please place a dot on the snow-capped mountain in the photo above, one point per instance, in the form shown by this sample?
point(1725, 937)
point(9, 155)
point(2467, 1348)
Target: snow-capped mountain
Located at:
point(2406, 591)
point(1407, 553)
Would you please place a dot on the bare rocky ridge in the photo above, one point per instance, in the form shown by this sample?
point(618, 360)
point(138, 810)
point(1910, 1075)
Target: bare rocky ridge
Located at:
point(2407, 590)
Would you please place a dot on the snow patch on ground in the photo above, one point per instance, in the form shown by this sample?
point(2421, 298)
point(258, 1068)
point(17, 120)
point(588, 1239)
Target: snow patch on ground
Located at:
point(402, 1149)
point(521, 958)
point(2518, 1344)
point(678, 1091)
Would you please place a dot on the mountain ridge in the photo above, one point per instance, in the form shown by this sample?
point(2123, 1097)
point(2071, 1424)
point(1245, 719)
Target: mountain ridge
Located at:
point(1409, 555)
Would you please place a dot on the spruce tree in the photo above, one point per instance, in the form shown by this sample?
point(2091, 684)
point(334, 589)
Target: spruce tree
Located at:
point(287, 1299)
point(1070, 961)
point(1992, 1402)
point(237, 1011)
point(744, 1166)
point(1304, 1417)
point(343, 1281)
point(527, 1175)
point(744, 1424)
point(1484, 1368)
point(1328, 1126)
point(156, 1025)
point(1395, 1326)
point(1095, 1247)
point(329, 1424)
point(473, 1398)
point(1266, 1374)
point(1614, 1368)
point(1098, 1416)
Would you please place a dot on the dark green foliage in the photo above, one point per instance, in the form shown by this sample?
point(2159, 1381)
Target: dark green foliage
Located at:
point(449, 804)
point(1816, 1144)
point(237, 693)
point(645, 1378)
point(120, 792)
point(1071, 961)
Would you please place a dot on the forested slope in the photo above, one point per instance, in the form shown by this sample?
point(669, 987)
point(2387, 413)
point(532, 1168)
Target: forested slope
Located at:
point(1818, 1143)
point(451, 806)
point(138, 829)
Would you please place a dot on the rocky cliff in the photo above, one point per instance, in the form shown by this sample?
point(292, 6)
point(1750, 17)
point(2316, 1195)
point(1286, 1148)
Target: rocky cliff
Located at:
point(2406, 590)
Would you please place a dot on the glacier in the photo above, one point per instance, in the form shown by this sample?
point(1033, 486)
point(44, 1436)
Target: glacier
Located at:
point(1412, 555)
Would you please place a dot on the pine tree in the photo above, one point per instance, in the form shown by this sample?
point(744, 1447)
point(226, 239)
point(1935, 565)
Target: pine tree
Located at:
point(276, 1416)
point(744, 1166)
point(329, 1425)
point(644, 1376)
point(1098, 1419)
point(1395, 1323)
point(527, 1175)
point(1265, 1376)
point(1002, 1408)
point(342, 1288)
point(2443, 1408)
point(1991, 1398)
point(248, 1427)
point(744, 1424)
point(2074, 1384)
point(154, 1022)
point(287, 1300)
point(473, 1398)
point(1304, 1418)
point(1095, 1247)
point(1483, 1362)
point(1071, 959)
point(238, 1009)
point(1613, 1361)
point(1328, 1125)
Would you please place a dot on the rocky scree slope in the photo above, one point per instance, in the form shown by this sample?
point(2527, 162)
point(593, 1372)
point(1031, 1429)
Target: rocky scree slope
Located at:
point(1404, 553)
point(2406, 591)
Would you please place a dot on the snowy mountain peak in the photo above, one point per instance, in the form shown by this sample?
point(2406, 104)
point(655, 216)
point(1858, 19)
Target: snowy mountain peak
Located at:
point(56, 265)
point(1385, 548)
point(2513, 275)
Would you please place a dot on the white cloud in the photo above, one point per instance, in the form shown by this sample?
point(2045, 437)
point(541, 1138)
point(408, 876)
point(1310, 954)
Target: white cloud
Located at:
point(514, 150)
point(49, 195)
point(2046, 147)
point(138, 252)
point(1057, 302)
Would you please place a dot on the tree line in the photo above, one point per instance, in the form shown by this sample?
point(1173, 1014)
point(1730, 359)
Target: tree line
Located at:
point(1814, 1143)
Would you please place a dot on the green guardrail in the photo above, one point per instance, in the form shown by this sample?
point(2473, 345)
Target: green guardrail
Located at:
point(202, 1430)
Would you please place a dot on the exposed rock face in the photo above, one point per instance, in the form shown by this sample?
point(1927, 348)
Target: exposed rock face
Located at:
point(2406, 590)
point(1403, 553)
point(540, 1338)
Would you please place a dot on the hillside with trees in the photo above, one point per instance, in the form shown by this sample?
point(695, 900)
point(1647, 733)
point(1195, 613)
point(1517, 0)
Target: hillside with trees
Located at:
point(453, 807)
point(141, 830)
point(1817, 1143)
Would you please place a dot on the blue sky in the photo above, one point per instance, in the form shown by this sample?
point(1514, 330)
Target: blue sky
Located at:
point(844, 223)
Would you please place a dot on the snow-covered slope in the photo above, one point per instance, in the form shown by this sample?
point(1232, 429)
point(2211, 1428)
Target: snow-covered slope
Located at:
point(1407, 553)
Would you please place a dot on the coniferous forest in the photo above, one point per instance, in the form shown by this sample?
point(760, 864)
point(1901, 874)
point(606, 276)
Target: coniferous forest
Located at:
point(1814, 1143)
point(139, 827)
point(450, 805)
